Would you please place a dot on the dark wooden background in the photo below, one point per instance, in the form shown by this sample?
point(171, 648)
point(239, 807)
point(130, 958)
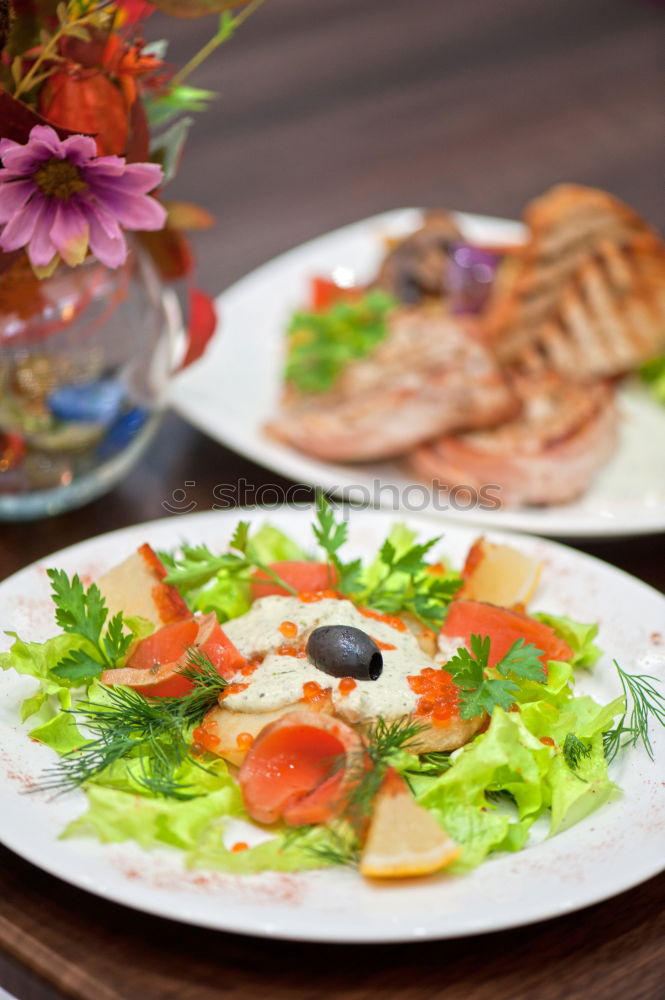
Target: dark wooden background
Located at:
point(332, 110)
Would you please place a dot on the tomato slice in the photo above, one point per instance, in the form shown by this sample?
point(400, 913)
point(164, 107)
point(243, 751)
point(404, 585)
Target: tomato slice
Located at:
point(154, 666)
point(504, 627)
point(290, 772)
point(302, 575)
point(326, 293)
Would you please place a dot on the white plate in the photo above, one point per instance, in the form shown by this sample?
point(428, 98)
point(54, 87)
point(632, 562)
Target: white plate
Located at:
point(612, 850)
point(234, 390)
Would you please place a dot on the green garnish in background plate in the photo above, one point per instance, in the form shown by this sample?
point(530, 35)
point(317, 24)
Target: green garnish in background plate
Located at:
point(321, 344)
point(653, 373)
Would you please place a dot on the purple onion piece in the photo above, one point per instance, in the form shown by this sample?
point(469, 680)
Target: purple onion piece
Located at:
point(469, 276)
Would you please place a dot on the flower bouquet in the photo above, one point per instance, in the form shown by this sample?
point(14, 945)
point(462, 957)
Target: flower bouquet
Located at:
point(93, 121)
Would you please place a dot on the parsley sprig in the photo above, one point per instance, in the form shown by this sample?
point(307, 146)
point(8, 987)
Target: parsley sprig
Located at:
point(643, 702)
point(127, 725)
point(483, 688)
point(403, 580)
point(81, 611)
point(196, 564)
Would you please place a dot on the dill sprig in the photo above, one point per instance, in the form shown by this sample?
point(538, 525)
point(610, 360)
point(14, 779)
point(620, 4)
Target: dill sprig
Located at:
point(644, 702)
point(574, 749)
point(129, 726)
point(367, 768)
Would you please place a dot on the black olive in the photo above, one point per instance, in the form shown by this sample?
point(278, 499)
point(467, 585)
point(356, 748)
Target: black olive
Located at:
point(344, 651)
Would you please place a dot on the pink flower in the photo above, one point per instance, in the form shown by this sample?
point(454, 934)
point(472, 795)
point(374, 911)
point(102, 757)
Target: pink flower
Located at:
point(57, 198)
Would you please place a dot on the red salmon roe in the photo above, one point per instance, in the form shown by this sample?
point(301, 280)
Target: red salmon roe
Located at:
point(378, 616)
point(312, 596)
point(205, 737)
point(244, 741)
point(250, 667)
point(233, 689)
point(383, 645)
point(288, 649)
point(311, 691)
point(438, 695)
point(347, 684)
point(239, 846)
point(289, 630)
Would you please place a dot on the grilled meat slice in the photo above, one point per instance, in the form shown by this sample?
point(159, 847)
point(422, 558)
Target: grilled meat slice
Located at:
point(567, 431)
point(431, 375)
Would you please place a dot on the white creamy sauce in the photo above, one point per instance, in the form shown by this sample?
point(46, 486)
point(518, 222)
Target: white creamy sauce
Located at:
point(279, 680)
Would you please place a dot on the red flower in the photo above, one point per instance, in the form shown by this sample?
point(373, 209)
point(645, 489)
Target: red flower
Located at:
point(134, 10)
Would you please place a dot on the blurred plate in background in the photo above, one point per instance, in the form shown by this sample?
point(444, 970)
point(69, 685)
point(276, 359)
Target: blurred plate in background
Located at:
point(235, 389)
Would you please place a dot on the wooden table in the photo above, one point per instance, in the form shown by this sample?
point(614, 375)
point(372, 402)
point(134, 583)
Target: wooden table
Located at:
point(333, 110)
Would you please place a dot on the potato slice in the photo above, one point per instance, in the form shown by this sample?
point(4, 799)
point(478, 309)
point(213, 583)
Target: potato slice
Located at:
point(136, 587)
point(499, 574)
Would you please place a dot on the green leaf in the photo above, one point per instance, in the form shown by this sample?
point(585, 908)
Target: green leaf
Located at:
point(269, 545)
point(60, 733)
point(240, 537)
point(321, 344)
point(180, 100)
point(116, 641)
point(78, 667)
point(522, 660)
point(77, 610)
point(578, 636)
point(166, 148)
point(653, 373)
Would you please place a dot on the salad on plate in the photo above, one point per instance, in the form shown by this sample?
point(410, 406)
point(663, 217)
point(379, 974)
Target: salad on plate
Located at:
point(271, 708)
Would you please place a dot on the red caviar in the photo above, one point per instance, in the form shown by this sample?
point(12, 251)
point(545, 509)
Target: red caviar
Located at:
point(311, 691)
point(383, 645)
point(347, 684)
point(438, 695)
point(233, 689)
point(312, 596)
point(250, 667)
point(288, 649)
point(378, 616)
point(289, 630)
point(244, 741)
point(239, 846)
point(205, 737)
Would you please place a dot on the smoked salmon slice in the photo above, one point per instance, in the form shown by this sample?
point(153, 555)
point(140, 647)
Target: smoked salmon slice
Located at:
point(298, 769)
point(504, 627)
point(154, 666)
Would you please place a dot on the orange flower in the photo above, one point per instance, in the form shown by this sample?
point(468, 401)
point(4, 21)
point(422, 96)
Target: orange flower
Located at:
point(127, 62)
point(87, 101)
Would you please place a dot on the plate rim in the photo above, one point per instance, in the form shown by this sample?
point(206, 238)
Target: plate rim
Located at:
point(575, 900)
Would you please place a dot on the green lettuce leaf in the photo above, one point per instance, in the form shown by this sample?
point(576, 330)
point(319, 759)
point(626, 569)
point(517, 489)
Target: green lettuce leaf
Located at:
point(507, 758)
point(269, 544)
point(283, 853)
point(38, 659)
point(60, 734)
point(114, 816)
point(578, 636)
point(226, 595)
point(577, 793)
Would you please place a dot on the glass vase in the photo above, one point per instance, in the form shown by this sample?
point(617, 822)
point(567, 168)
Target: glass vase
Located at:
point(85, 359)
